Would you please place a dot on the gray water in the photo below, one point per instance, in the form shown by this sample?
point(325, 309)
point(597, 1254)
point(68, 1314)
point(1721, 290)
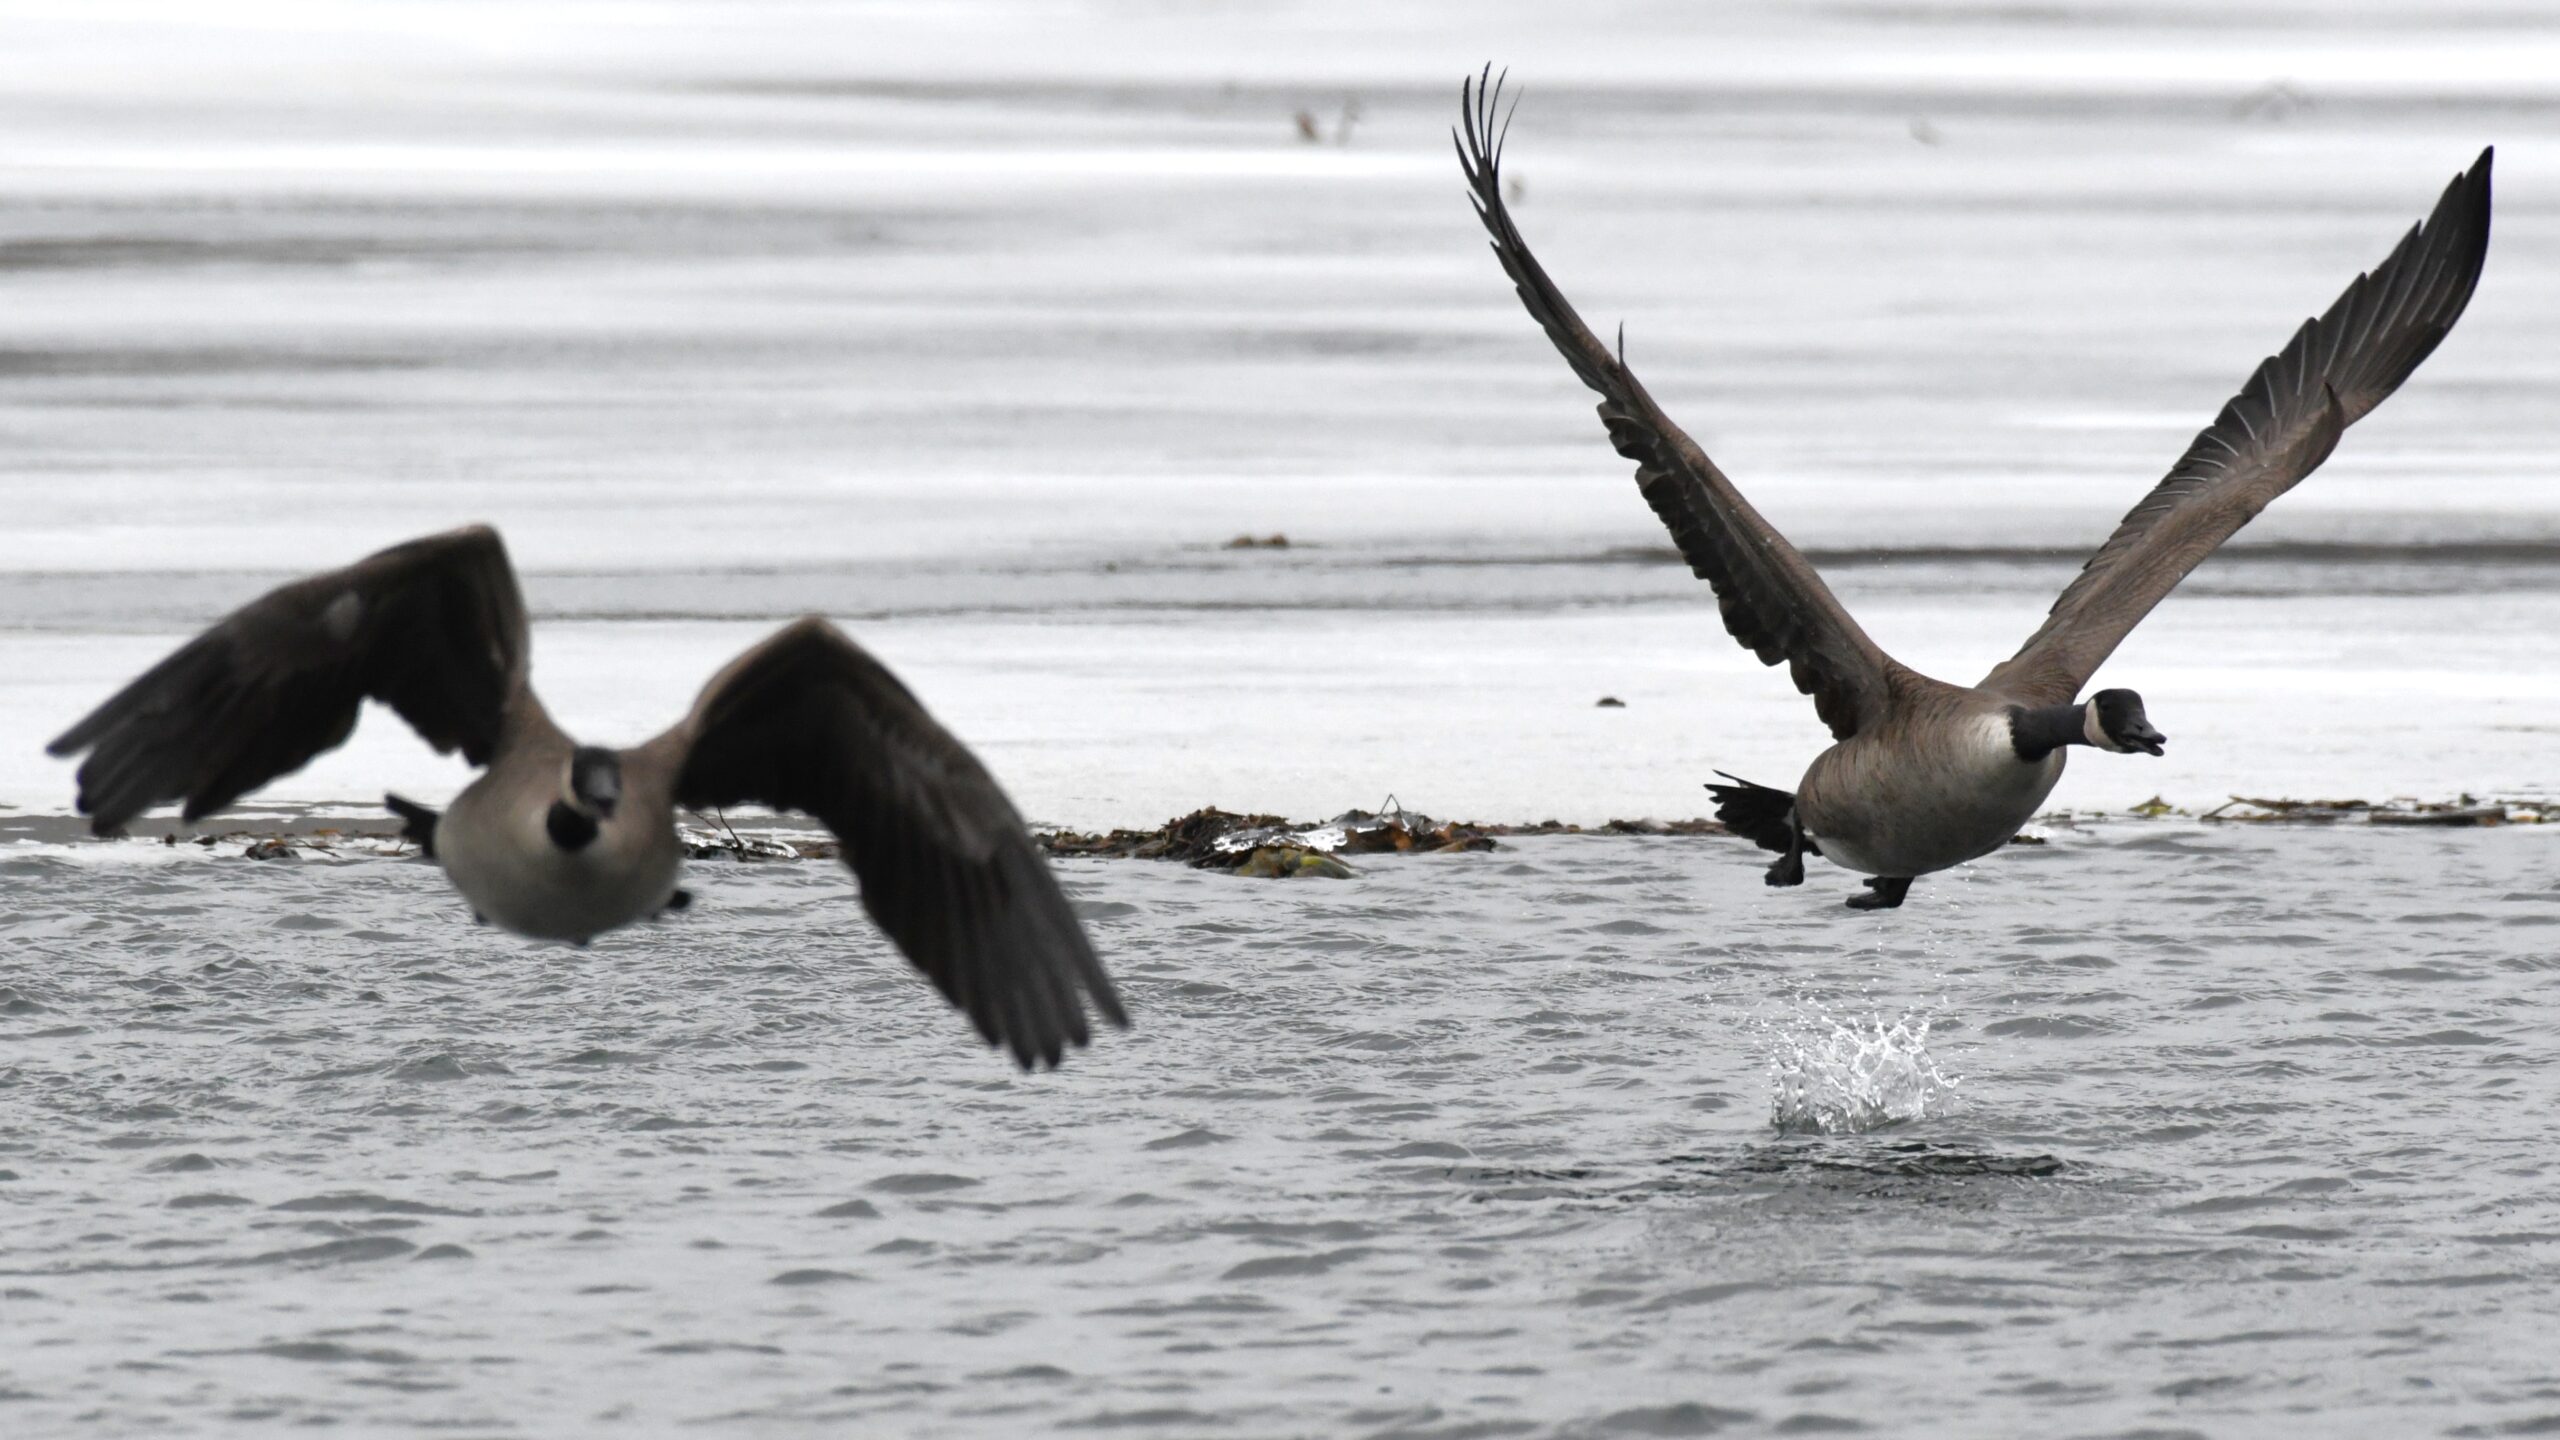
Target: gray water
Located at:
point(2212, 1131)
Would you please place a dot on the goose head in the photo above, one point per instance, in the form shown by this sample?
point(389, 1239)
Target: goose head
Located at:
point(592, 782)
point(2115, 721)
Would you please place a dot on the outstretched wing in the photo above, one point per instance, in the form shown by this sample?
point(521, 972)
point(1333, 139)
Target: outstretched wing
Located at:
point(1771, 598)
point(809, 721)
point(2278, 429)
point(434, 628)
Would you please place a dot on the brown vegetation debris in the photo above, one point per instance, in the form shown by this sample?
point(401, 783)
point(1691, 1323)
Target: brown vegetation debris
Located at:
point(1281, 862)
point(2463, 810)
point(1214, 839)
point(1698, 826)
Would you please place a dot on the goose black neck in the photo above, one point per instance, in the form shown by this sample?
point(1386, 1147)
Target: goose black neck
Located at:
point(571, 828)
point(2038, 730)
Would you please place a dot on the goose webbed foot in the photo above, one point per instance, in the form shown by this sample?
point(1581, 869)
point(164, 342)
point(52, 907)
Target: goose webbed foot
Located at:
point(1787, 869)
point(1888, 891)
point(676, 900)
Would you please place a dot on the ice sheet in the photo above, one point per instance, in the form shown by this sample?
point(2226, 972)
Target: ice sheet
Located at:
point(980, 327)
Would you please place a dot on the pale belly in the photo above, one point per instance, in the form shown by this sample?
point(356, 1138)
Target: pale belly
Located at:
point(1873, 810)
point(506, 866)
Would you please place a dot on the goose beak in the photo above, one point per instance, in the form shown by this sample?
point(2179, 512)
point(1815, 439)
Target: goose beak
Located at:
point(2145, 739)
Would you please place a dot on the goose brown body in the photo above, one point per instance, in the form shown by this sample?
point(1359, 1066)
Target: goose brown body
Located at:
point(1937, 784)
point(495, 844)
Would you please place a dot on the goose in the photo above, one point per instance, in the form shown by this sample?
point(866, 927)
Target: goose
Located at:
point(559, 840)
point(1924, 774)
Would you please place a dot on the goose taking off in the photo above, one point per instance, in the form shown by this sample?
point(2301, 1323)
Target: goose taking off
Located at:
point(564, 841)
point(1924, 774)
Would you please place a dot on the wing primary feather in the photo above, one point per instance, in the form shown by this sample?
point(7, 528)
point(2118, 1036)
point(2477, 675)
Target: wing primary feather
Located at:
point(1772, 602)
point(2281, 425)
point(809, 721)
point(433, 627)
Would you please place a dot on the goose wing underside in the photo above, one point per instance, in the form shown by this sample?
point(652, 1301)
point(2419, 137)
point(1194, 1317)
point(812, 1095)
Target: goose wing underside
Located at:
point(809, 721)
point(1772, 599)
point(434, 628)
point(2278, 429)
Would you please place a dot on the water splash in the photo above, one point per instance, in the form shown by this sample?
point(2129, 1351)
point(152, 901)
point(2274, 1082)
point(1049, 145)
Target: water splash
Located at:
point(1834, 1077)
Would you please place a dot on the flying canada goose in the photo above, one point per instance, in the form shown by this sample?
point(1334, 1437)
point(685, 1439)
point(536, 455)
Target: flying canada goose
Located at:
point(1924, 774)
point(564, 841)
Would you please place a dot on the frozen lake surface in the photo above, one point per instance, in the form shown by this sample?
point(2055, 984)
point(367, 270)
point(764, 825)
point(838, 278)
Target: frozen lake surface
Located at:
point(2213, 1132)
point(983, 328)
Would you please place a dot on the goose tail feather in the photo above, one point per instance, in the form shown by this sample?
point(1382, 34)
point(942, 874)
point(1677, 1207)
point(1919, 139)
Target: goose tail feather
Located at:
point(1763, 816)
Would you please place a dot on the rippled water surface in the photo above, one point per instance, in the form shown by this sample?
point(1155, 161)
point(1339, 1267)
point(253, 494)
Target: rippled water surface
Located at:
point(2236, 1127)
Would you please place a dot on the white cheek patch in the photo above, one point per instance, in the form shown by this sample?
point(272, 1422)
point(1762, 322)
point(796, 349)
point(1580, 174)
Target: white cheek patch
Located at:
point(2094, 733)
